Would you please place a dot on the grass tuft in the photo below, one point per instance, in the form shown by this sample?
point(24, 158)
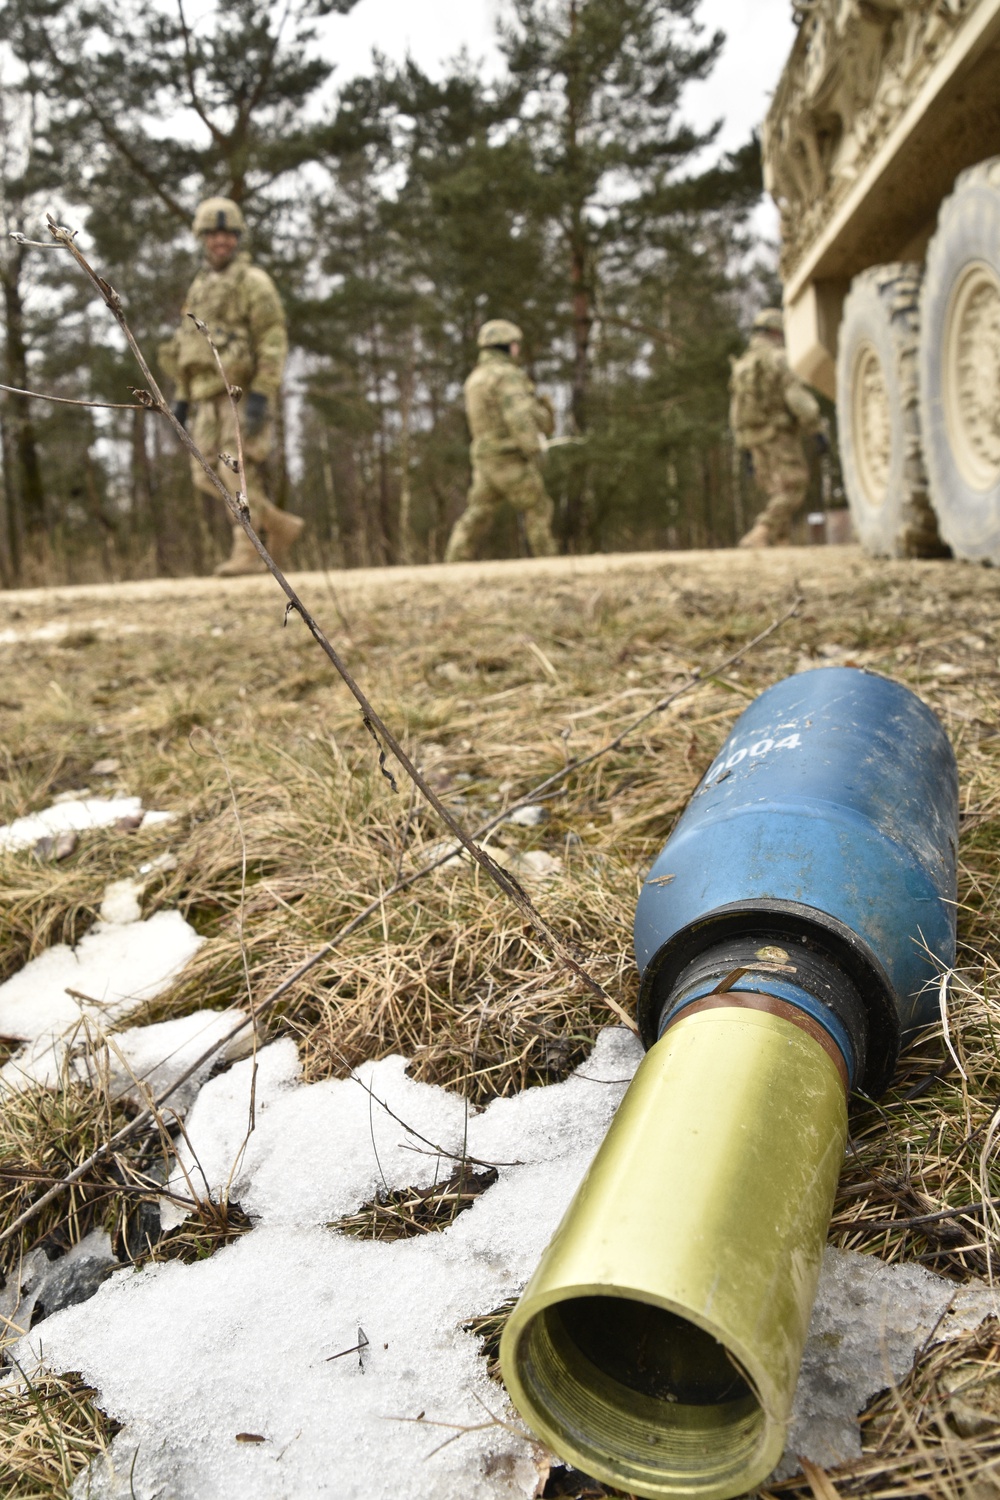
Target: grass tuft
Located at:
point(50, 1430)
point(401, 1214)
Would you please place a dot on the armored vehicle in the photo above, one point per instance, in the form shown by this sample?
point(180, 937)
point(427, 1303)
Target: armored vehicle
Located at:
point(882, 152)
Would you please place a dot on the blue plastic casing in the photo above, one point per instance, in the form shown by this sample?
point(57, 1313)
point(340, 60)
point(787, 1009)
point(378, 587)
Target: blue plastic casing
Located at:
point(830, 816)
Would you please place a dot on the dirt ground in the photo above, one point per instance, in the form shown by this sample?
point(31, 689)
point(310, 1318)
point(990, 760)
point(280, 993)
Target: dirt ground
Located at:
point(205, 702)
point(776, 568)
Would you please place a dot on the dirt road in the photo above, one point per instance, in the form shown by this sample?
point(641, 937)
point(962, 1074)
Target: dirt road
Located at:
point(144, 604)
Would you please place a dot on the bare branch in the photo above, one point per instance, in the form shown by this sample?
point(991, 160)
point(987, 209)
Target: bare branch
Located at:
point(381, 731)
point(26, 244)
point(694, 680)
point(500, 877)
point(14, 390)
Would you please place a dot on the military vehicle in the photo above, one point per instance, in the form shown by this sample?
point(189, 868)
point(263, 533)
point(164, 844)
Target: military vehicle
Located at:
point(881, 152)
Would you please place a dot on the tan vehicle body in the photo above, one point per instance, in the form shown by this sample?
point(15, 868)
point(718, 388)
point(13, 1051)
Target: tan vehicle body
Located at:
point(881, 106)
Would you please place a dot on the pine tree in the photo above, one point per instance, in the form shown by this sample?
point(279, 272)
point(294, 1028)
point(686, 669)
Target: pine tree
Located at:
point(146, 112)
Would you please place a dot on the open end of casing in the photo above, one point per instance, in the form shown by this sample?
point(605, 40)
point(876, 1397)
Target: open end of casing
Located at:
point(656, 1346)
point(643, 1396)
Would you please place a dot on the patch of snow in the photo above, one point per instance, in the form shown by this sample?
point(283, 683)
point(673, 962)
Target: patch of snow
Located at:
point(187, 1357)
point(533, 863)
point(113, 968)
point(122, 902)
point(292, 1170)
point(869, 1321)
point(528, 817)
point(57, 630)
point(539, 863)
point(434, 851)
point(152, 819)
point(146, 1060)
point(77, 814)
point(216, 1130)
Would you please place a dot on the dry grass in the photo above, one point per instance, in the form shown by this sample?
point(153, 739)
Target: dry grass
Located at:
point(399, 1215)
point(50, 1429)
point(493, 681)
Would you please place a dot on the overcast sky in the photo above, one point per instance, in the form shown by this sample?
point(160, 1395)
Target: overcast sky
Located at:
point(758, 38)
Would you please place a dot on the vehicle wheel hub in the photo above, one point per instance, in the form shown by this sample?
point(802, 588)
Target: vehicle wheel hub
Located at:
point(872, 424)
point(971, 375)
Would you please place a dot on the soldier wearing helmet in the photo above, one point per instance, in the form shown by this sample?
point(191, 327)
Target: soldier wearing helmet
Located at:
point(240, 306)
point(769, 413)
point(508, 423)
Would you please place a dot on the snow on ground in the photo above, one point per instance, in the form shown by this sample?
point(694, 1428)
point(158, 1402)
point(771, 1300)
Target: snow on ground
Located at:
point(58, 630)
point(193, 1359)
point(293, 1168)
point(69, 994)
point(190, 1356)
point(148, 1060)
point(77, 815)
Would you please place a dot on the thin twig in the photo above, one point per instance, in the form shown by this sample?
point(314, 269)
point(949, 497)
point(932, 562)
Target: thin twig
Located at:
point(240, 512)
point(500, 877)
point(915, 1222)
point(288, 983)
point(437, 1150)
point(66, 238)
point(15, 390)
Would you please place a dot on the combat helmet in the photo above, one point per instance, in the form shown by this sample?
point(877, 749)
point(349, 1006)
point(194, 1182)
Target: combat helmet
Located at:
point(219, 213)
point(769, 320)
point(498, 332)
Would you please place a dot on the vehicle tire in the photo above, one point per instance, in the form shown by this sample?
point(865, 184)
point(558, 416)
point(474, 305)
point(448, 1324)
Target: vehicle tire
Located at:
point(878, 420)
point(960, 365)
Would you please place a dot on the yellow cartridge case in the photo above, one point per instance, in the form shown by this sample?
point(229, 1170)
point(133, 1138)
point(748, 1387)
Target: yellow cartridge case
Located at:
point(658, 1344)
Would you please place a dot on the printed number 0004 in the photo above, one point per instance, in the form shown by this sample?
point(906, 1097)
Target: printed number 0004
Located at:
point(790, 742)
point(754, 751)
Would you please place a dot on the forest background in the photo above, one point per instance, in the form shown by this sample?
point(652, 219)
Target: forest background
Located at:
point(396, 212)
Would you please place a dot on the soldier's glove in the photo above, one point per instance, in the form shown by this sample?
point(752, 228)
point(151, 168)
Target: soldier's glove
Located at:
point(180, 411)
point(254, 413)
point(821, 442)
point(747, 458)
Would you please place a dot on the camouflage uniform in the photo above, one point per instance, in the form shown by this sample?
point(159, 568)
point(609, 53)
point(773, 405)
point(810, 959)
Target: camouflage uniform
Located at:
point(507, 421)
point(242, 310)
point(770, 411)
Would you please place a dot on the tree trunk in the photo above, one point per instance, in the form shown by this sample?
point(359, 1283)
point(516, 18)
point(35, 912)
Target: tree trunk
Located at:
point(29, 497)
point(331, 518)
point(406, 547)
point(147, 499)
point(380, 532)
point(103, 527)
point(580, 293)
point(10, 537)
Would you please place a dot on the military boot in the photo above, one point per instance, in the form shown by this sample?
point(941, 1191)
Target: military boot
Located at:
point(244, 557)
point(759, 535)
point(280, 531)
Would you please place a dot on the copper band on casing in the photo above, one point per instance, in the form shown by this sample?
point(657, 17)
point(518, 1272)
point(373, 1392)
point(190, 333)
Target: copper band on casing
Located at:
point(746, 1000)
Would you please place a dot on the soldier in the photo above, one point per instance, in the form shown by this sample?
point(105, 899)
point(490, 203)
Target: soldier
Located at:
point(507, 421)
point(239, 304)
point(769, 412)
